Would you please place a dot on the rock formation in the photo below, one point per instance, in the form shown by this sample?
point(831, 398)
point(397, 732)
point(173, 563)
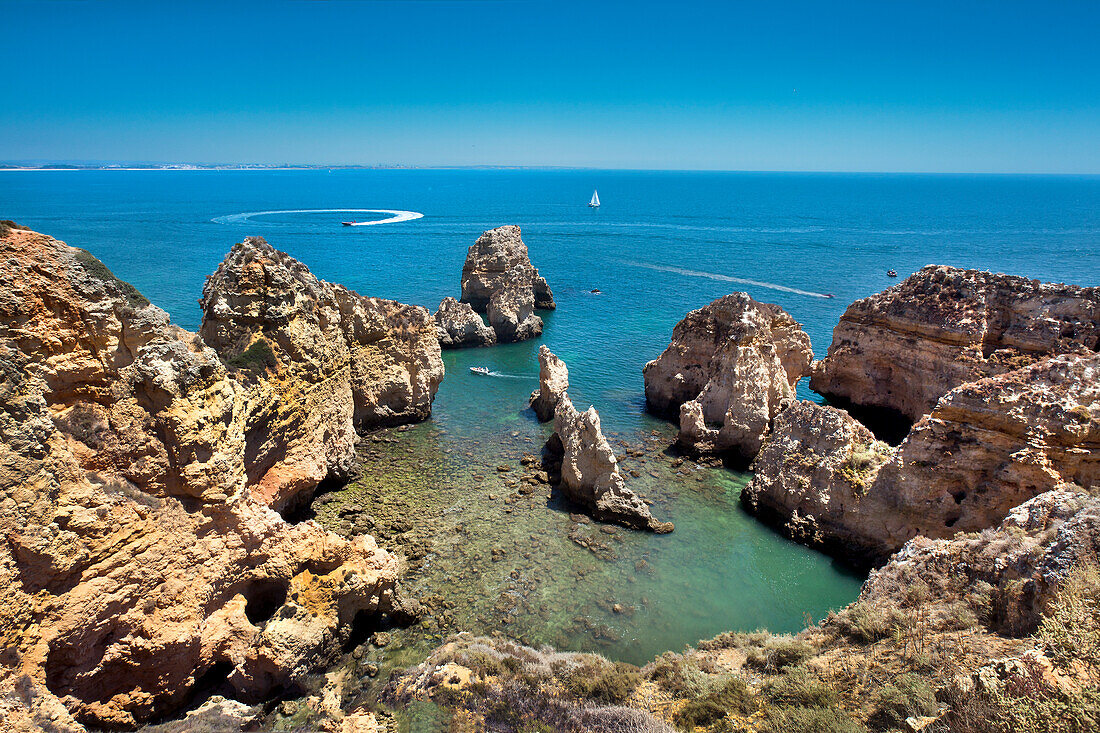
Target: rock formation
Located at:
point(987, 447)
point(589, 470)
point(511, 310)
point(906, 347)
point(137, 565)
point(457, 325)
point(499, 260)
point(812, 476)
point(1025, 559)
point(590, 473)
point(730, 369)
point(553, 384)
point(326, 362)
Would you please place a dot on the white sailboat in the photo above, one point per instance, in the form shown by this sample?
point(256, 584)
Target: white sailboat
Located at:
point(595, 202)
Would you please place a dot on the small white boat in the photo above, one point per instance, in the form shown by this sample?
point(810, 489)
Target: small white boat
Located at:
point(595, 202)
point(480, 370)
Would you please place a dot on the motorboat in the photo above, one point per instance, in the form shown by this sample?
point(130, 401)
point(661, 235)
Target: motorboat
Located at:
point(480, 370)
point(891, 273)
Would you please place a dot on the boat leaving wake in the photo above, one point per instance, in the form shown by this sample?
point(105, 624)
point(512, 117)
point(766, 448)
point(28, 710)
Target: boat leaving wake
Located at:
point(725, 278)
point(396, 215)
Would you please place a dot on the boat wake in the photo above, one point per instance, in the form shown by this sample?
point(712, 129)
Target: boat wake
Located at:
point(508, 376)
point(396, 215)
point(726, 278)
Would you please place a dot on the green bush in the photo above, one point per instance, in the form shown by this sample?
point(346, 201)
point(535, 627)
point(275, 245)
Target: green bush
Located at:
point(778, 653)
point(907, 696)
point(256, 357)
point(811, 720)
point(799, 688)
point(608, 683)
point(678, 675)
point(733, 695)
point(98, 270)
point(864, 623)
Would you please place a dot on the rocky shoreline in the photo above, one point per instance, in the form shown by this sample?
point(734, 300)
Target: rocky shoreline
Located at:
point(164, 539)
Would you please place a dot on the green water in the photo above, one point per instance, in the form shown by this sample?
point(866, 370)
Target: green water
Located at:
point(487, 558)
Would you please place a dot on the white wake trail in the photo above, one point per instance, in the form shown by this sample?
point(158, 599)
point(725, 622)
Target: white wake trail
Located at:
point(396, 215)
point(725, 278)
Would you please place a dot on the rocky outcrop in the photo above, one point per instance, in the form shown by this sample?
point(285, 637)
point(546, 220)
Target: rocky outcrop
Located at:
point(812, 477)
point(730, 369)
point(906, 347)
point(325, 361)
point(137, 564)
point(457, 325)
point(511, 310)
point(1023, 561)
point(987, 447)
point(499, 261)
point(590, 472)
point(553, 384)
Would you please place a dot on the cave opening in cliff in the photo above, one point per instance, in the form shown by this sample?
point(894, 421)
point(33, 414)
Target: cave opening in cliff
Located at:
point(885, 423)
point(263, 599)
point(300, 509)
point(364, 625)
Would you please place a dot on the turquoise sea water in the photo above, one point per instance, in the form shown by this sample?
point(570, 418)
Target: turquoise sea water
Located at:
point(662, 244)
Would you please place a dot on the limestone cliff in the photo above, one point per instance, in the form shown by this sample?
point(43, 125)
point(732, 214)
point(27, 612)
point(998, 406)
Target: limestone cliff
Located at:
point(511, 309)
point(457, 325)
point(988, 446)
point(812, 475)
point(904, 348)
point(730, 369)
point(321, 361)
point(136, 564)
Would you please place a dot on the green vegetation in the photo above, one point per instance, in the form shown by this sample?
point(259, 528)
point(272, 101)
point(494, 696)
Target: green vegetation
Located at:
point(731, 695)
point(907, 696)
point(799, 688)
point(811, 720)
point(610, 683)
point(256, 357)
point(778, 653)
point(98, 270)
point(860, 465)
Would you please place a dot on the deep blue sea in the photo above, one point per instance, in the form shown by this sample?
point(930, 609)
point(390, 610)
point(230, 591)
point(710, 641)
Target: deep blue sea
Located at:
point(662, 244)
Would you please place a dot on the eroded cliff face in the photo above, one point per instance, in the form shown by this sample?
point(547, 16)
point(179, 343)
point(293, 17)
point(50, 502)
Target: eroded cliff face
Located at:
point(137, 565)
point(321, 362)
point(906, 347)
point(730, 369)
point(457, 325)
point(812, 477)
point(987, 447)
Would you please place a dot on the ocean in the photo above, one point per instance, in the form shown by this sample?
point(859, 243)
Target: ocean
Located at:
point(663, 243)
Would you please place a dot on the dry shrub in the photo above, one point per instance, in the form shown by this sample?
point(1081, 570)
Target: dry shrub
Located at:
point(778, 653)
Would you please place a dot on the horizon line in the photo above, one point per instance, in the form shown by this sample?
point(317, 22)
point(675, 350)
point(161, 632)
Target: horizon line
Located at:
point(69, 165)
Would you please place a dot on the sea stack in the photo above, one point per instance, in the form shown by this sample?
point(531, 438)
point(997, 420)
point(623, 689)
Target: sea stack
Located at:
point(902, 349)
point(590, 473)
point(553, 384)
point(730, 369)
point(499, 279)
point(457, 325)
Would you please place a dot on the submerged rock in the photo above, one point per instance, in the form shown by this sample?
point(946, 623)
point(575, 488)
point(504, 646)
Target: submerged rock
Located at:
point(137, 563)
point(730, 369)
point(457, 325)
point(322, 361)
point(497, 261)
point(909, 345)
point(553, 384)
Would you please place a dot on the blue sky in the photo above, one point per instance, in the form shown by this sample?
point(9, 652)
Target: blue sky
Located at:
point(851, 86)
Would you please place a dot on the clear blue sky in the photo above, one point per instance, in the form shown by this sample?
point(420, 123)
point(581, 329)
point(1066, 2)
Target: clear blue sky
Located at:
point(996, 86)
